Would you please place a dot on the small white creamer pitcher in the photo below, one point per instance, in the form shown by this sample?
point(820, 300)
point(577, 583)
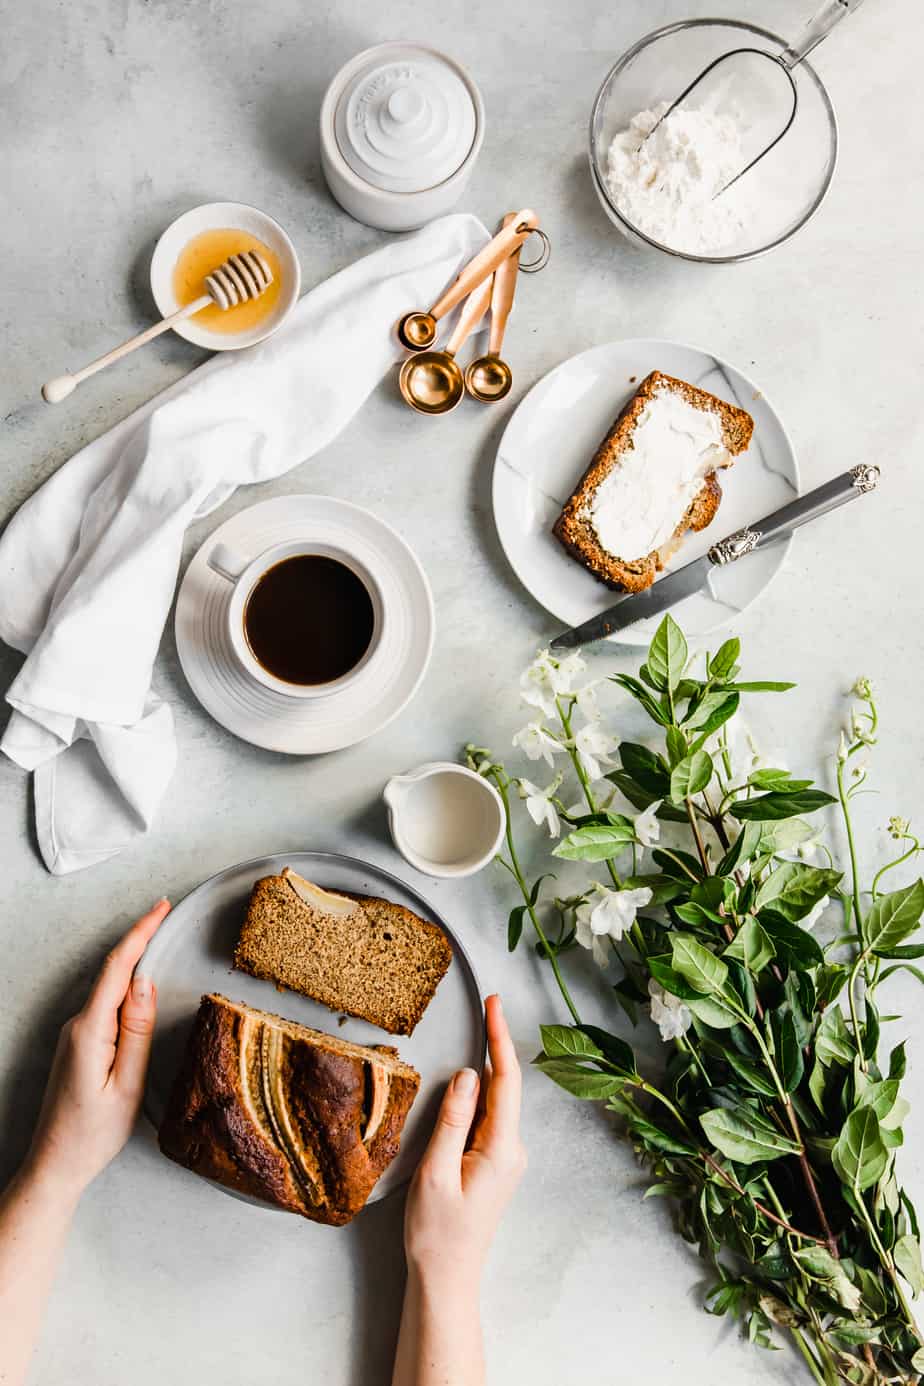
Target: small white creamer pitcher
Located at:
point(444, 819)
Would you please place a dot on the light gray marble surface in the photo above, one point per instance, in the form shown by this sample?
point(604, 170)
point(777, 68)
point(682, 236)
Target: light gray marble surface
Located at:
point(118, 114)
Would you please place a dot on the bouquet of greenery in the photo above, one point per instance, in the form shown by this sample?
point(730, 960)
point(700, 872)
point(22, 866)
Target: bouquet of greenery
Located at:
point(775, 1122)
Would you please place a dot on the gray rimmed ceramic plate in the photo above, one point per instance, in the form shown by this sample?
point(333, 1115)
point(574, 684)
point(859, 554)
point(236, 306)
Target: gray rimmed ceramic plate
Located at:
point(191, 955)
point(554, 433)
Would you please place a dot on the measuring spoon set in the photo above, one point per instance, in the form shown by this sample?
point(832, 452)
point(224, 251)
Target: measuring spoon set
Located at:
point(431, 381)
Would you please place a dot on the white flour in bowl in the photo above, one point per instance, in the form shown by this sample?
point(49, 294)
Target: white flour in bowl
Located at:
point(666, 186)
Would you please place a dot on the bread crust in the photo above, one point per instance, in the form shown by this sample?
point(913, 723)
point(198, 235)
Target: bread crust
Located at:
point(573, 528)
point(217, 1123)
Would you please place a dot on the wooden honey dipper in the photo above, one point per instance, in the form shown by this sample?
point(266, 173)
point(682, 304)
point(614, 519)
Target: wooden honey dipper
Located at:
point(242, 277)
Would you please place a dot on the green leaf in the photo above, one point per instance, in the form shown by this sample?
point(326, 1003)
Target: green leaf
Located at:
point(681, 865)
point(781, 780)
point(789, 1061)
point(722, 664)
point(563, 1041)
point(750, 1073)
point(663, 888)
point(860, 1157)
point(767, 808)
point(641, 695)
point(794, 945)
point(793, 889)
point(752, 945)
point(898, 1063)
point(743, 1136)
point(713, 1012)
point(671, 981)
point(660, 1139)
point(706, 973)
point(649, 770)
point(515, 927)
point(677, 747)
point(764, 686)
point(907, 1256)
point(691, 775)
point(833, 1043)
point(710, 714)
point(893, 917)
point(820, 1266)
point(745, 846)
point(596, 843)
point(817, 1080)
point(667, 654)
point(587, 1083)
point(614, 1049)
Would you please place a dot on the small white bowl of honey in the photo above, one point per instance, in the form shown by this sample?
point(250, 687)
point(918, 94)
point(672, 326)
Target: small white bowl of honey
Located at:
point(205, 237)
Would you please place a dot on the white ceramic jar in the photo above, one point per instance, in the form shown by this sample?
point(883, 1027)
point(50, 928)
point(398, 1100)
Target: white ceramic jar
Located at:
point(401, 128)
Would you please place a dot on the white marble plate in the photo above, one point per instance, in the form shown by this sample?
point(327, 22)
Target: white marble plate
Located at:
point(378, 692)
point(191, 955)
point(550, 440)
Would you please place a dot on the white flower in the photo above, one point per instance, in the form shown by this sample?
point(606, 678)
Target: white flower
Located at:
point(898, 827)
point(843, 748)
point(647, 827)
point(547, 678)
point(593, 746)
point(537, 743)
point(539, 804)
point(586, 937)
point(612, 912)
point(586, 699)
point(671, 1015)
point(863, 688)
point(815, 913)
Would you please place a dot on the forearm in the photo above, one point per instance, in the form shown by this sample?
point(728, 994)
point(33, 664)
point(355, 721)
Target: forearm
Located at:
point(440, 1339)
point(35, 1215)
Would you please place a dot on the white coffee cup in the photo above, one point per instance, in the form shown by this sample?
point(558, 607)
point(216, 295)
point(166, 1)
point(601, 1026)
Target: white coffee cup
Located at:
point(244, 574)
point(444, 819)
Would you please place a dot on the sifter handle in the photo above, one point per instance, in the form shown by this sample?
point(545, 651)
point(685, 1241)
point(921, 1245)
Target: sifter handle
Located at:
point(507, 240)
point(817, 28)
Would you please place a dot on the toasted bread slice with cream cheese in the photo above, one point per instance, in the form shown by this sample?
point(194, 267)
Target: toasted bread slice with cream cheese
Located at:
point(652, 478)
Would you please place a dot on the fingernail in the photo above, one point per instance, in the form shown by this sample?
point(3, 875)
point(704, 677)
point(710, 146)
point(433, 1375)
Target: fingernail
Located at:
point(465, 1082)
point(142, 988)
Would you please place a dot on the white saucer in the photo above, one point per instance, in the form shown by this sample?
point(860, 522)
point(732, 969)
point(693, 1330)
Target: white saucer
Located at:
point(217, 216)
point(380, 690)
point(550, 440)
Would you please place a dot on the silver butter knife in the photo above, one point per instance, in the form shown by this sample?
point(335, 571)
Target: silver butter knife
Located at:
point(693, 577)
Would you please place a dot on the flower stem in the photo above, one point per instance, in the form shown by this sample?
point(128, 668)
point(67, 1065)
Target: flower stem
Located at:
point(564, 717)
point(514, 866)
point(810, 1362)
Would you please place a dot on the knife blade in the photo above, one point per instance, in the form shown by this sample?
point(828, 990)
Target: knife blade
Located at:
point(693, 577)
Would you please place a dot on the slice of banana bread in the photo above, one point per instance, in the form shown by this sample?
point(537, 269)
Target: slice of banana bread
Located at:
point(652, 478)
point(354, 953)
point(299, 1118)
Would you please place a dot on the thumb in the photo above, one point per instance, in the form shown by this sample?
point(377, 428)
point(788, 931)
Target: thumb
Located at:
point(457, 1111)
point(136, 1030)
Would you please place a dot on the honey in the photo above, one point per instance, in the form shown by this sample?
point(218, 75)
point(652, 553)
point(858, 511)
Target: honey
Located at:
point(205, 253)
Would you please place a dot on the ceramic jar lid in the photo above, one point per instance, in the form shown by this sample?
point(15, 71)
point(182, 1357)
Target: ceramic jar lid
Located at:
point(405, 122)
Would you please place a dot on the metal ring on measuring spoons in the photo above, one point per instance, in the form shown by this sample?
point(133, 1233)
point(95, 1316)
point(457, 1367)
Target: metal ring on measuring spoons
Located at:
point(534, 266)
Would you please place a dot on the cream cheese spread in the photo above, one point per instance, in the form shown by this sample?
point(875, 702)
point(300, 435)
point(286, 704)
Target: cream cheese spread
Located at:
point(640, 503)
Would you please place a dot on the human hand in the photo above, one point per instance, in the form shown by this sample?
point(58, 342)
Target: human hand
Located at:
point(97, 1078)
point(458, 1195)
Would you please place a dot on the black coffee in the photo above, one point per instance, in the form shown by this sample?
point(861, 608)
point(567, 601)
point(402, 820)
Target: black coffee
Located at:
point(309, 620)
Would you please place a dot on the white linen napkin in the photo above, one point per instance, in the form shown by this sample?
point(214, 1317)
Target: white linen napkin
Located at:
point(89, 563)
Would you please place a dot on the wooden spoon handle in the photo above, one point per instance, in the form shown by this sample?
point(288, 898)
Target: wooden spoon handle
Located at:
point(63, 385)
point(505, 283)
point(507, 240)
point(470, 317)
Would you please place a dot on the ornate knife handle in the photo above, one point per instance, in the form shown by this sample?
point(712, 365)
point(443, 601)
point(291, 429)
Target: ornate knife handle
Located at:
point(855, 482)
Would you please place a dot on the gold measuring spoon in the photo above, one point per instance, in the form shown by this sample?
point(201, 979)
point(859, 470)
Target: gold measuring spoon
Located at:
point(417, 330)
point(488, 378)
point(431, 381)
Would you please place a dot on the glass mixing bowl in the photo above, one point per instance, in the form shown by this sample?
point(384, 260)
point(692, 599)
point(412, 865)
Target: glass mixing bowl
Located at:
point(779, 195)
